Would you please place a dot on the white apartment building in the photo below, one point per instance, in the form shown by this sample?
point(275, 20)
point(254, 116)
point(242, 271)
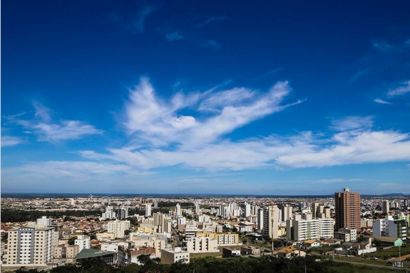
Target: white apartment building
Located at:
point(83, 242)
point(148, 208)
point(108, 214)
point(44, 222)
point(118, 228)
point(305, 229)
point(201, 245)
point(326, 228)
point(247, 209)
point(396, 228)
point(178, 210)
point(30, 246)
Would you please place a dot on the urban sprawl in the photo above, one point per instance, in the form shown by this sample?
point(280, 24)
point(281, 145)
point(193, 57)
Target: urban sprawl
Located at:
point(44, 233)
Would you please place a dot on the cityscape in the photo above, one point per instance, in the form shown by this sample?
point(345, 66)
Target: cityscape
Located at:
point(205, 136)
point(47, 233)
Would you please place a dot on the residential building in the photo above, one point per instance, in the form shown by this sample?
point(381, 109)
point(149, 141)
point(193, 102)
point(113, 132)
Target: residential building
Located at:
point(83, 242)
point(170, 256)
point(347, 209)
point(44, 222)
point(391, 227)
point(118, 228)
point(271, 221)
point(201, 245)
point(30, 246)
point(148, 207)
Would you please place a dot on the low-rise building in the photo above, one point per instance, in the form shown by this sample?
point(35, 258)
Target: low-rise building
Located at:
point(170, 256)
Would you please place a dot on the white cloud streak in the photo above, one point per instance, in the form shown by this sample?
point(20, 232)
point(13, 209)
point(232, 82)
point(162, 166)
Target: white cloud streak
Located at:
point(352, 123)
point(304, 150)
point(403, 89)
point(7, 141)
point(48, 130)
point(382, 101)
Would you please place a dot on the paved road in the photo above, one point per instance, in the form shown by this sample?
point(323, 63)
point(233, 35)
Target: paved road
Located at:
point(372, 265)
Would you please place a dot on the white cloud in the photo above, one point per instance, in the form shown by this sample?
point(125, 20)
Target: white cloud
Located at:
point(304, 150)
point(174, 36)
point(353, 148)
point(382, 101)
point(68, 129)
point(152, 120)
point(72, 171)
point(338, 180)
point(48, 130)
point(231, 97)
point(403, 89)
point(41, 111)
point(352, 123)
point(7, 141)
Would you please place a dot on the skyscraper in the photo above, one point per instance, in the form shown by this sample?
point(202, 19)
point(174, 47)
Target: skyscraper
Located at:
point(386, 207)
point(271, 221)
point(347, 209)
point(178, 209)
point(148, 207)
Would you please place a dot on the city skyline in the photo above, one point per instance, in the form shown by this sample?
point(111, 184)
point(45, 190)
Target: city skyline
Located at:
point(256, 98)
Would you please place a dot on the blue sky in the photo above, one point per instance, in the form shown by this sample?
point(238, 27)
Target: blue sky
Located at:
point(260, 97)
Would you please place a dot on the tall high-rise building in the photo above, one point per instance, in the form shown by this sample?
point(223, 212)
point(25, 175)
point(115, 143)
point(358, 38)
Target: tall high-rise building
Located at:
point(260, 219)
point(315, 209)
point(30, 245)
point(347, 209)
point(148, 207)
point(271, 221)
point(287, 212)
point(178, 209)
point(122, 213)
point(247, 209)
point(386, 207)
point(197, 208)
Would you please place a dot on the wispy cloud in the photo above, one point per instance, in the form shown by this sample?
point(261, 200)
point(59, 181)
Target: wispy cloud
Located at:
point(358, 75)
point(338, 180)
point(300, 151)
point(403, 89)
point(153, 120)
point(47, 130)
point(139, 23)
point(41, 111)
point(174, 36)
point(211, 20)
point(382, 101)
point(212, 44)
point(7, 141)
point(382, 45)
point(167, 138)
point(352, 123)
